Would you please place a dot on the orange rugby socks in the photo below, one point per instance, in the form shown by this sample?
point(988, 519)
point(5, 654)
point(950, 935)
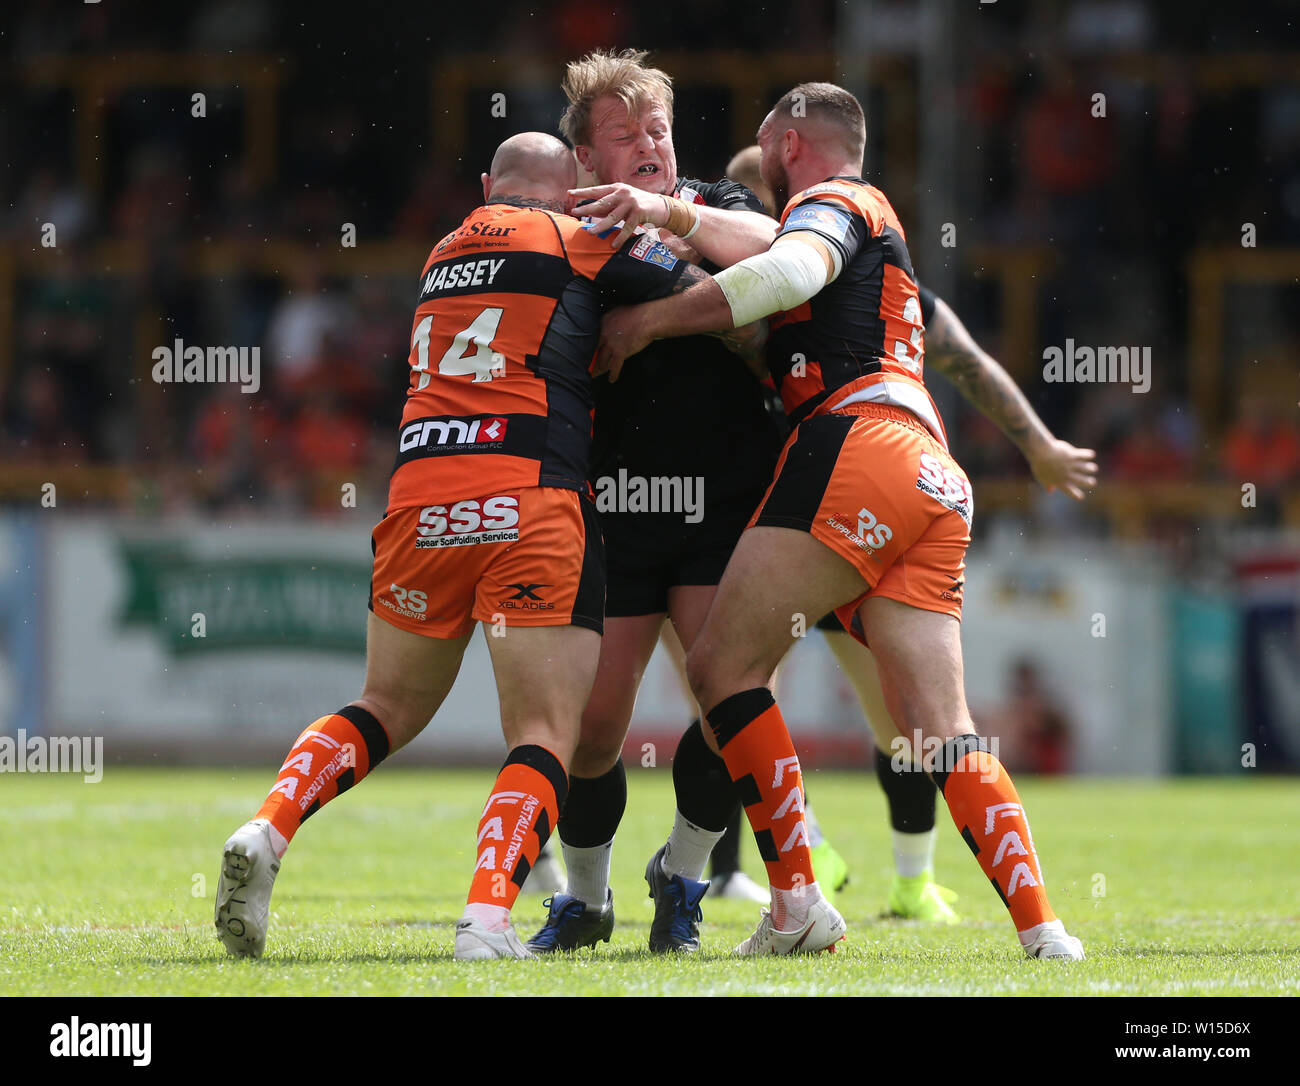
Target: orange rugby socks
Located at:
point(521, 812)
point(987, 810)
point(760, 757)
point(325, 760)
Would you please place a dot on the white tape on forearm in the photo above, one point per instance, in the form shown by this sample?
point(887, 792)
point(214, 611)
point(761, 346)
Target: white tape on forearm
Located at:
point(784, 277)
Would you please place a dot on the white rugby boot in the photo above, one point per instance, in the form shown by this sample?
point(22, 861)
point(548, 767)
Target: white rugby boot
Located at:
point(1051, 941)
point(823, 928)
point(248, 869)
point(474, 942)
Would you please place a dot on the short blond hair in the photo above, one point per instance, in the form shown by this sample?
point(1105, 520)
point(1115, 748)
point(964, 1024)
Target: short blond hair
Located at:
point(624, 75)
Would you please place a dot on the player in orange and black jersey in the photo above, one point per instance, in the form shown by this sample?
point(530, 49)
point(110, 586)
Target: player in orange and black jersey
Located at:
point(488, 520)
point(868, 514)
point(910, 796)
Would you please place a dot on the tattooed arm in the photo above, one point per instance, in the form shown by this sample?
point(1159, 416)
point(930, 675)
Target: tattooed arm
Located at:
point(950, 349)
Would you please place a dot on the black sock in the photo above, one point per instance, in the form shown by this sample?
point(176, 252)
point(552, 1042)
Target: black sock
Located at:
point(725, 859)
point(910, 793)
point(595, 807)
point(705, 793)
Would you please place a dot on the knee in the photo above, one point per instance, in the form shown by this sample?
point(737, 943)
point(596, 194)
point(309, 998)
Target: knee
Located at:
point(699, 673)
point(600, 739)
point(596, 755)
point(401, 718)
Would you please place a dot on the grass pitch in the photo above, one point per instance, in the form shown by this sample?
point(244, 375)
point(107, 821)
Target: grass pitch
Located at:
point(1187, 887)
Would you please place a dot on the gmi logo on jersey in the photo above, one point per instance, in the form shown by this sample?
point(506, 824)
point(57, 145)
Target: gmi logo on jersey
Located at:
point(468, 522)
point(451, 433)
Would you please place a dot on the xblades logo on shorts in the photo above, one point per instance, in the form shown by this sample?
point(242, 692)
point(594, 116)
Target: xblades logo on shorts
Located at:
point(527, 591)
point(526, 599)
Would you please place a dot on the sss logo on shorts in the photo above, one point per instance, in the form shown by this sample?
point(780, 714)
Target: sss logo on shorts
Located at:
point(946, 486)
point(474, 520)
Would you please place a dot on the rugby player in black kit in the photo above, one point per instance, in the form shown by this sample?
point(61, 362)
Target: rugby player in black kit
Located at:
point(688, 422)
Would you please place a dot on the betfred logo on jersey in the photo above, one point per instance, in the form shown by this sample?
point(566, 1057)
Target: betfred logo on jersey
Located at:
point(468, 522)
point(652, 252)
point(452, 434)
point(946, 486)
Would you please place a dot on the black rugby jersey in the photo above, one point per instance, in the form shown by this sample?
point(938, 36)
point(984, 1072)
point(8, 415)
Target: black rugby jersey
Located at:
point(689, 407)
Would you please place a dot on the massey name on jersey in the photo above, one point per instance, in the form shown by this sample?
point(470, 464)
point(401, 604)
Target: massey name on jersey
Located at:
point(467, 273)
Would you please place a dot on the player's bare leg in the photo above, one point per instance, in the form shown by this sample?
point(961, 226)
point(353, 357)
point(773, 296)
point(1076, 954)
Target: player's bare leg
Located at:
point(919, 656)
point(751, 626)
point(544, 675)
point(625, 653)
point(909, 793)
point(583, 914)
point(407, 679)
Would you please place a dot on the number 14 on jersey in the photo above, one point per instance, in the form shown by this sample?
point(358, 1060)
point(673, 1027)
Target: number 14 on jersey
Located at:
point(470, 351)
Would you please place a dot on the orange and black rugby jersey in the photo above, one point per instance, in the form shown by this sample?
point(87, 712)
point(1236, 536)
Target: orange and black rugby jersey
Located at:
point(504, 335)
point(861, 338)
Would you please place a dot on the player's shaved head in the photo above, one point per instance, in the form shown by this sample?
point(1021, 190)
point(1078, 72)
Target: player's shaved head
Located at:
point(824, 113)
point(533, 164)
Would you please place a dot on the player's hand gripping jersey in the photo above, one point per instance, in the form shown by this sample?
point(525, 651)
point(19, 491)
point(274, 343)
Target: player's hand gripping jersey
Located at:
point(867, 470)
point(487, 513)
